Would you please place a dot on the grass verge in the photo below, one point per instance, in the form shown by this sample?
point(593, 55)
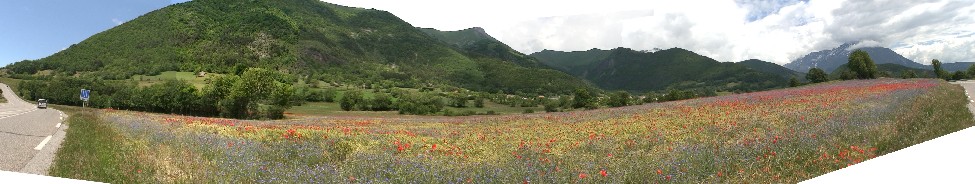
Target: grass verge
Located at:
point(941, 111)
point(93, 150)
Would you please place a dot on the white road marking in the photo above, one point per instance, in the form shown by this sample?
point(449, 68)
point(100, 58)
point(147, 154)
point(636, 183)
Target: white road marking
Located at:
point(18, 114)
point(40, 146)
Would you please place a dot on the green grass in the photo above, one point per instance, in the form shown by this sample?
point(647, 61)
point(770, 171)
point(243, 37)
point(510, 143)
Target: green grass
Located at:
point(13, 83)
point(190, 77)
point(940, 112)
point(93, 150)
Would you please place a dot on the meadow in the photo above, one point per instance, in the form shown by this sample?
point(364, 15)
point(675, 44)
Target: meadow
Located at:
point(786, 135)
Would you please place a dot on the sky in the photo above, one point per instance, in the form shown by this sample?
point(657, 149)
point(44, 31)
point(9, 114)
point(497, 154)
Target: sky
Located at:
point(34, 29)
point(778, 31)
point(772, 30)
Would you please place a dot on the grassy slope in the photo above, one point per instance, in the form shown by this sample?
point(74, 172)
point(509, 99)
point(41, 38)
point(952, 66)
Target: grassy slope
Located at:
point(190, 77)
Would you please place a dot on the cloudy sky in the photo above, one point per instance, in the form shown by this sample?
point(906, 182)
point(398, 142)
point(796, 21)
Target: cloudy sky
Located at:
point(777, 31)
point(733, 30)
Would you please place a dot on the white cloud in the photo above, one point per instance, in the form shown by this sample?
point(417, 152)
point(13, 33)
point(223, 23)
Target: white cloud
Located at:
point(776, 31)
point(117, 21)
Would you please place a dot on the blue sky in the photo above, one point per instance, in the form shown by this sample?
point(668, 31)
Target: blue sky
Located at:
point(33, 29)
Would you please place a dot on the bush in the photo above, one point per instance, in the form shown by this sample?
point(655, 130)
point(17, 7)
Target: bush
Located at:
point(458, 101)
point(329, 95)
point(584, 99)
point(352, 100)
point(479, 102)
point(382, 102)
point(420, 104)
point(619, 99)
point(552, 106)
point(529, 111)
point(817, 75)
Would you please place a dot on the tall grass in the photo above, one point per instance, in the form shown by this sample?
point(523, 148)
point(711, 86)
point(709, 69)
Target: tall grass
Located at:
point(92, 150)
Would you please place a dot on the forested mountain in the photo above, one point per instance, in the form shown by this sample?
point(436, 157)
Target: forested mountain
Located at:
point(309, 39)
point(830, 60)
point(956, 66)
point(575, 62)
point(768, 67)
point(476, 42)
point(626, 69)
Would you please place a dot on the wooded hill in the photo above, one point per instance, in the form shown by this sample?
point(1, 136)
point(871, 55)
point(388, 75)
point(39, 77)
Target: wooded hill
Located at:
point(676, 68)
point(310, 39)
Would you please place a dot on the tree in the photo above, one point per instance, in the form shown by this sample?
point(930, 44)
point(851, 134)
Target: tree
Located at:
point(907, 74)
point(817, 75)
point(938, 71)
point(861, 64)
point(584, 99)
point(382, 102)
point(971, 70)
point(793, 82)
point(352, 100)
point(479, 102)
point(420, 103)
point(652, 97)
point(458, 101)
point(958, 75)
point(552, 106)
point(619, 99)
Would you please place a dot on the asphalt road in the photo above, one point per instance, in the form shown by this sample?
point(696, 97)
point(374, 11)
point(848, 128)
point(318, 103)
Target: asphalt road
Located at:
point(29, 136)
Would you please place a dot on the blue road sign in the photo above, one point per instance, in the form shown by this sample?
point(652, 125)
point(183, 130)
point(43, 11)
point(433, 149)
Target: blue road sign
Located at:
point(84, 94)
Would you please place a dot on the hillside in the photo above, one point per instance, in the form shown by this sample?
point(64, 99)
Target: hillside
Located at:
point(476, 42)
point(888, 70)
point(309, 39)
point(772, 68)
point(956, 66)
point(626, 69)
point(830, 60)
point(575, 62)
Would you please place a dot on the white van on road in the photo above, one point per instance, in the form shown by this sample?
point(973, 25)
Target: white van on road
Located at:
point(42, 103)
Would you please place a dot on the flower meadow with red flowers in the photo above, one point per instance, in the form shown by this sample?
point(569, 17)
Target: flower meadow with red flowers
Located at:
point(786, 135)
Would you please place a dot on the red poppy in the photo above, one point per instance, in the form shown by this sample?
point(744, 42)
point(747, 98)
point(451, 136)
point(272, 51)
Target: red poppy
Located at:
point(659, 171)
point(582, 175)
point(602, 172)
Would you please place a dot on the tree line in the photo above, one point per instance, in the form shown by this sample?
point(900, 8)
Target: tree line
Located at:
point(255, 94)
point(861, 66)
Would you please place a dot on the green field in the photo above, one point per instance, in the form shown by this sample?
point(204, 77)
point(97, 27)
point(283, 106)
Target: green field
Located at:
point(190, 77)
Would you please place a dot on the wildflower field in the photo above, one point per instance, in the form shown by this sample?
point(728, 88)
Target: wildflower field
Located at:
point(786, 135)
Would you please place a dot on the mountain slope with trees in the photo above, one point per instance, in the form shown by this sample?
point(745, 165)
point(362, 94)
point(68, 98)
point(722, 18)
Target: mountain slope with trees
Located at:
point(310, 39)
point(768, 67)
point(630, 70)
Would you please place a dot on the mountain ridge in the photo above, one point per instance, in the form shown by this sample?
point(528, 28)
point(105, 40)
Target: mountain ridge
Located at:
point(675, 68)
point(831, 59)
